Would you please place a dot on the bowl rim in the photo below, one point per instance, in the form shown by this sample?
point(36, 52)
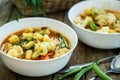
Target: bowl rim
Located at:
point(48, 60)
point(82, 2)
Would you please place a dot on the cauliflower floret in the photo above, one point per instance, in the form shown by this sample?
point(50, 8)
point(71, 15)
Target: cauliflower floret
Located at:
point(14, 39)
point(89, 12)
point(101, 19)
point(40, 49)
point(117, 29)
point(46, 38)
point(37, 36)
point(16, 51)
point(48, 31)
point(117, 24)
point(78, 20)
point(27, 36)
point(7, 46)
point(102, 22)
point(28, 30)
point(104, 29)
point(113, 31)
point(29, 45)
point(106, 19)
point(44, 49)
point(84, 22)
point(111, 19)
point(52, 45)
point(37, 46)
point(60, 52)
point(28, 54)
point(101, 16)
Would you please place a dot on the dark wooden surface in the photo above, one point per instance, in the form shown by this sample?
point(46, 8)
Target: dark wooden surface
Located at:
point(81, 54)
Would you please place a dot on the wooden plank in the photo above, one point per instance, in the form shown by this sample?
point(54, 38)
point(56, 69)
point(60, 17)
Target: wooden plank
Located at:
point(57, 16)
point(5, 73)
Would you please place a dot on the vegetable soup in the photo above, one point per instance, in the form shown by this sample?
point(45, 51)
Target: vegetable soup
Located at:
point(36, 44)
point(99, 20)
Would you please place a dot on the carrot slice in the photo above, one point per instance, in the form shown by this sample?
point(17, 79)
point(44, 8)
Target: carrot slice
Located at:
point(47, 56)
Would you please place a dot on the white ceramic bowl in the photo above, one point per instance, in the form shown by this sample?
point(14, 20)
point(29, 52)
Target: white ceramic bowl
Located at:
point(91, 38)
point(37, 67)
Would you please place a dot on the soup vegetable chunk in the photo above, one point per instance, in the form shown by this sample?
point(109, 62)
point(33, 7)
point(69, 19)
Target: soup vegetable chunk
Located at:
point(99, 20)
point(36, 44)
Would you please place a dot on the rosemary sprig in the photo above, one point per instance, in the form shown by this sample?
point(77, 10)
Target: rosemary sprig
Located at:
point(35, 5)
point(42, 7)
point(34, 8)
point(15, 13)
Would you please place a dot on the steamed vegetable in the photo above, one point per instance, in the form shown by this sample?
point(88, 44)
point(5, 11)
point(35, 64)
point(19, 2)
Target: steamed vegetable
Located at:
point(36, 44)
point(72, 72)
point(92, 26)
point(82, 72)
point(95, 19)
point(100, 73)
point(86, 21)
point(77, 73)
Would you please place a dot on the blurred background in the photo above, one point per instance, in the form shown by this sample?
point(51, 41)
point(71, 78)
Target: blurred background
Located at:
point(15, 9)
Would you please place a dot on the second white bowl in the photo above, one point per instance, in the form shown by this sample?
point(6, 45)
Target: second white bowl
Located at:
point(91, 38)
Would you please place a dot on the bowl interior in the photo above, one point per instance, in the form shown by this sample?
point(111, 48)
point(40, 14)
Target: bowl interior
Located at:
point(78, 8)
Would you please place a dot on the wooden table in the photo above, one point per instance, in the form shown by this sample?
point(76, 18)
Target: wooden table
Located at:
point(81, 54)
